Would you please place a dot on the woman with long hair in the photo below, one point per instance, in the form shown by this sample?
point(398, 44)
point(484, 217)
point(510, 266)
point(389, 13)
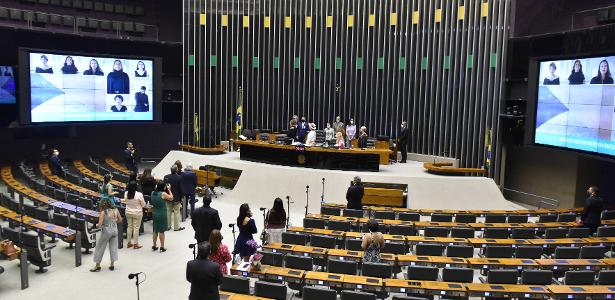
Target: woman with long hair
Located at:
point(69, 66)
point(148, 183)
point(94, 69)
point(275, 222)
point(140, 71)
point(219, 252)
point(372, 243)
point(106, 190)
point(108, 219)
point(604, 74)
point(134, 212)
point(247, 227)
point(160, 196)
point(576, 75)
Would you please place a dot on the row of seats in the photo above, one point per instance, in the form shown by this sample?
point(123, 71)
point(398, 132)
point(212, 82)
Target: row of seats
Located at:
point(101, 169)
point(97, 6)
point(39, 252)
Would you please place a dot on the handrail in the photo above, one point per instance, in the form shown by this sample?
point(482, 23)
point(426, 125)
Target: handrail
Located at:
point(553, 203)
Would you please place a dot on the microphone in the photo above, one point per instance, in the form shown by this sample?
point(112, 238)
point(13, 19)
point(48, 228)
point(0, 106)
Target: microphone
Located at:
point(133, 275)
point(263, 208)
point(231, 225)
point(191, 246)
point(307, 186)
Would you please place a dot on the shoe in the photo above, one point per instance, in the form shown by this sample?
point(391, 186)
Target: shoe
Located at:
point(162, 249)
point(95, 269)
point(111, 268)
point(137, 246)
point(130, 245)
point(154, 248)
point(179, 229)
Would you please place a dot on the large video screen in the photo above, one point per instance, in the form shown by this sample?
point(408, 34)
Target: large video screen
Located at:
point(73, 88)
point(7, 85)
point(576, 104)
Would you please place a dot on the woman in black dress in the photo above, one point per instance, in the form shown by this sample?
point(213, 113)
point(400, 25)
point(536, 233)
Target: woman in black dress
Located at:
point(247, 227)
point(604, 74)
point(140, 71)
point(94, 69)
point(117, 81)
point(551, 79)
point(69, 66)
point(44, 68)
point(118, 107)
point(576, 75)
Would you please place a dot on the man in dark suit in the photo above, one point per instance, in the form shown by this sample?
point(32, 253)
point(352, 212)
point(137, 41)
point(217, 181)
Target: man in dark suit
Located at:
point(402, 141)
point(56, 163)
point(188, 187)
point(173, 207)
point(590, 218)
point(130, 160)
point(354, 195)
point(204, 220)
point(204, 275)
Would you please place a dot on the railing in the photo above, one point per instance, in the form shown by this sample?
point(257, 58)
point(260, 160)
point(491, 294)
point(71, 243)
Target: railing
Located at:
point(542, 202)
point(69, 24)
point(587, 18)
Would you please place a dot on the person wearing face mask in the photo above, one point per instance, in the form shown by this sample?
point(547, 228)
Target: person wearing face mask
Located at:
point(329, 133)
point(351, 132)
point(56, 163)
point(117, 80)
point(302, 129)
point(402, 141)
point(594, 205)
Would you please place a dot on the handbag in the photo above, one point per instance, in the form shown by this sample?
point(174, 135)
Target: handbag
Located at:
point(265, 237)
point(9, 250)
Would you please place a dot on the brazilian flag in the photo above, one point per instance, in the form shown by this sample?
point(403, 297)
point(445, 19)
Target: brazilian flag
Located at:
point(488, 148)
point(196, 129)
point(239, 113)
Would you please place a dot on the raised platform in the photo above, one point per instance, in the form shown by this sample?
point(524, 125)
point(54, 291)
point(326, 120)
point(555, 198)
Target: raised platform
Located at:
point(260, 183)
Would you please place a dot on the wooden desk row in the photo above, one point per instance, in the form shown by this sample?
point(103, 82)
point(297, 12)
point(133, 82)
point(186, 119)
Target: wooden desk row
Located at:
point(27, 192)
point(111, 163)
point(422, 225)
point(342, 281)
point(200, 150)
point(93, 175)
point(427, 212)
point(64, 233)
point(476, 242)
point(444, 261)
point(233, 296)
point(44, 168)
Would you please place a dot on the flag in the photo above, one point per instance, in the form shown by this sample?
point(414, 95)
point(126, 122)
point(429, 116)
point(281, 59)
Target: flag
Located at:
point(239, 113)
point(488, 148)
point(196, 129)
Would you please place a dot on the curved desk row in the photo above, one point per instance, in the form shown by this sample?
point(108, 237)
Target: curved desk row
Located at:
point(200, 150)
point(448, 169)
point(111, 163)
point(93, 175)
point(44, 168)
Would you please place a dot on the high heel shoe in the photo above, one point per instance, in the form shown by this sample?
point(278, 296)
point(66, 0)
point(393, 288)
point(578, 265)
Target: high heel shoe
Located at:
point(163, 249)
point(95, 269)
point(154, 248)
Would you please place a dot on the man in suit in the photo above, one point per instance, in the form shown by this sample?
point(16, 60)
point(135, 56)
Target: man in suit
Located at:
point(56, 163)
point(130, 160)
point(402, 141)
point(302, 129)
point(173, 214)
point(188, 187)
point(204, 220)
point(354, 195)
point(590, 218)
point(204, 275)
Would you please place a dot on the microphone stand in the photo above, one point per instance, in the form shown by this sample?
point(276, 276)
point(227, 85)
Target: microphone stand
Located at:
point(23, 259)
point(288, 209)
point(137, 282)
point(307, 198)
point(322, 196)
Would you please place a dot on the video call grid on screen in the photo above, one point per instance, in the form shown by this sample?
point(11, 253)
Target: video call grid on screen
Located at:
point(91, 88)
point(7, 85)
point(576, 104)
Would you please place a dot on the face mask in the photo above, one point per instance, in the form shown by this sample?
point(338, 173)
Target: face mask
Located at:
point(351, 122)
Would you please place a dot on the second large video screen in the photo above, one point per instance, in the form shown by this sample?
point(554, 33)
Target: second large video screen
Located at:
point(73, 88)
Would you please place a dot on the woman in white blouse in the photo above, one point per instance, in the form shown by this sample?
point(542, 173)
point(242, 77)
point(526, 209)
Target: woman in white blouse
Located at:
point(134, 212)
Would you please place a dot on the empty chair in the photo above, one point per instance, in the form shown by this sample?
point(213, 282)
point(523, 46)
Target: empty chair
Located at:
point(465, 218)
point(294, 238)
point(547, 218)
point(61, 219)
point(495, 218)
point(354, 244)
point(606, 277)
point(29, 210)
point(59, 194)
point(299, 262)
point(607, 215)
point(15, 14)
point(567, 252)
point(423, 273)
point(339, 225)
point(462, 232)
point(381, 270)
point(464, 275)
point(384, 215)
point(318, 293)
point(356, 213)
point(531, 252)
point(401, 230)
point(568, 217)
point(394, 248)
point(556, 233)
point(323, 241)
point(72, 198)
point(235, 284)
point(86, 203)
point(270, 290)
point(42, 17)
point(496, 233)
point(592, 252)
point(441, 218)
point(459, 251)
point(578, 232)
point(342, 266)
point(606, 231)
point(88, 235)
point(272, 259)
point(330, 211)
point(352, 295)
point(517, 219)
point(492, 251)
point(39, 254)
point(429, 249)
point(436, 232)
point(579, 277)
point(502, 276)
point(314, 223)
point(42, 214)
point(406, 216)
point(523, 233)
point(539, 277)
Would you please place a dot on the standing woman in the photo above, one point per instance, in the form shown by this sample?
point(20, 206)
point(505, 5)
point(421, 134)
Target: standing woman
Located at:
point(148, 183)
point(275, 222)
point(106, 191)
point(108, 219)
point(372, 243)
point(219, 252)
point(247, 227)
point(134, 212)
point(160, 196)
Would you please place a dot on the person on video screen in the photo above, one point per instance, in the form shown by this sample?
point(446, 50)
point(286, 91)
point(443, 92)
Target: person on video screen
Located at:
point(94, 69)
point(142, 101)
point(551, 79)
point(117, 81)
point(140, 71)
point(6, 71)
point(118, 107)
point(69, 66)
point(44, 68)
point(604, 74)
point(576, 75)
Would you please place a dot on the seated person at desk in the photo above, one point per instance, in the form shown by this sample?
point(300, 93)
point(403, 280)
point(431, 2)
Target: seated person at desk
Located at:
point(372, 243)
point(311, 136)
point(594, 205)
point(354, 195)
